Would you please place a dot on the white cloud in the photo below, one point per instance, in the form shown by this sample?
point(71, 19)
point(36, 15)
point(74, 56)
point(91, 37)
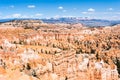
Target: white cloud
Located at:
point(56, 16)
point(16, 15)
point(31, 6)
point(91, 10)
point(24, 16)
point(113, 13)
point(68, 16)
point(60, 7)
point(88, 12)
point(84, 12)
point(110, 9)
point(12, 6)
point(38, 14)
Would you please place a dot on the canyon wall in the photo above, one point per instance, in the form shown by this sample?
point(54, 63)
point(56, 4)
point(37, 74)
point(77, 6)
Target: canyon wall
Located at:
point(59, 52)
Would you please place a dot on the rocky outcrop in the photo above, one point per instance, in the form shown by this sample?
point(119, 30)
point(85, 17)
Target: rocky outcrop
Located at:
point(50, 53)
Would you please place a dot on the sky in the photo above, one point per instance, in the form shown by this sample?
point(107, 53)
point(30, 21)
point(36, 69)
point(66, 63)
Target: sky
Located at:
point(97, 9)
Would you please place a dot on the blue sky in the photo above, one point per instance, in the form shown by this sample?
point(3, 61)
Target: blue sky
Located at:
point(100, 9)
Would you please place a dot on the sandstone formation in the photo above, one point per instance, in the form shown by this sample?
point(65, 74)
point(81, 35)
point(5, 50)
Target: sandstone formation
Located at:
point(33, 50)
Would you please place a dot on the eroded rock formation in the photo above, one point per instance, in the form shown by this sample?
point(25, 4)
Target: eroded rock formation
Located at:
point(58, 52)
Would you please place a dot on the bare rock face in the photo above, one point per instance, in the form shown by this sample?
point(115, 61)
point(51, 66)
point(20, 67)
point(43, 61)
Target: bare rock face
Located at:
point(58, 52)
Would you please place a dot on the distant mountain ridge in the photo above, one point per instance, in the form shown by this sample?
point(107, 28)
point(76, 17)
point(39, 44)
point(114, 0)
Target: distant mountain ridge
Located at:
point(11, 19)
point(86, 22)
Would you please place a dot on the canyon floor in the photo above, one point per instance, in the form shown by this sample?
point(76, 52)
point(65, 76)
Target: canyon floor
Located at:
point(34, 50)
